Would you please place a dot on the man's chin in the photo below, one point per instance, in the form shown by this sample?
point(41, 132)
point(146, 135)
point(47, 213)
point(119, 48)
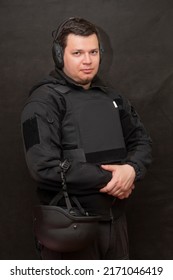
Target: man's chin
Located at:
point(86, 81)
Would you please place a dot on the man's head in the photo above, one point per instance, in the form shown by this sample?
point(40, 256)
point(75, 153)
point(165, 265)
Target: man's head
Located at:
point(76, 50)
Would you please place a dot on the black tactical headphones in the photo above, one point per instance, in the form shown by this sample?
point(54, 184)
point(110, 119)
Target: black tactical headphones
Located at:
point(57, 50)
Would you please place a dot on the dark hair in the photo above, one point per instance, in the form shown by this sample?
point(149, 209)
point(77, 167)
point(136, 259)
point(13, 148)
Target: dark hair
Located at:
point(76, 26)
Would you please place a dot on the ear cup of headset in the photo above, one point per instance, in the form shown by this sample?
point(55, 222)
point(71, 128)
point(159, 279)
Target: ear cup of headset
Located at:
point(57, 53)
point(101, 51)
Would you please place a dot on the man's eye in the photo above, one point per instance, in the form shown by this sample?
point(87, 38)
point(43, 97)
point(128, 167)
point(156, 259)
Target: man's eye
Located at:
point(77, 53)
point(94, 52)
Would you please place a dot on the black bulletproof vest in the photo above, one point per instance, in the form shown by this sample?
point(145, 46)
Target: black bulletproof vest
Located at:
point(91, 127)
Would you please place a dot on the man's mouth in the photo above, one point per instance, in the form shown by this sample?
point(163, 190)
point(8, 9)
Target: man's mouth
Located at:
point(87, 71)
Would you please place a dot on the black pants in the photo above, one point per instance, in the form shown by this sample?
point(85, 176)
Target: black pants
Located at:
point(111, 244)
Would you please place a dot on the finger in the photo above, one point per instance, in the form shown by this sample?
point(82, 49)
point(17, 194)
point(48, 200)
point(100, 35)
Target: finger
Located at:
point(124, 195)
point(108, 167)
point(110, 186)
point(116, 192)
point(107, 188)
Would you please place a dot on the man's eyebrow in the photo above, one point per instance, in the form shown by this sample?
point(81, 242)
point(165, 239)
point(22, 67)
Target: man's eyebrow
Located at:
point(81, 50)
point(78, 50)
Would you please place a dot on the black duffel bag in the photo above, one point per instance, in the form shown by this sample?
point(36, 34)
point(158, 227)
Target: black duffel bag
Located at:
point(64, 229)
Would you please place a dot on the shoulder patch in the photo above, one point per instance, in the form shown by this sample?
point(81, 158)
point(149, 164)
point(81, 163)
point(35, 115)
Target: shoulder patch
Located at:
point(30, 133)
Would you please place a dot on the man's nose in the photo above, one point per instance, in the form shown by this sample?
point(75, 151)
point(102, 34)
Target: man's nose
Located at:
point(87, 58)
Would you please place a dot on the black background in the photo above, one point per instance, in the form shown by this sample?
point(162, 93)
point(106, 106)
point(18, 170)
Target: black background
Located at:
point(138, 60)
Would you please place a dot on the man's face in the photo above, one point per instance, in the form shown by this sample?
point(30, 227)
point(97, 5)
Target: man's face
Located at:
point(81, 58)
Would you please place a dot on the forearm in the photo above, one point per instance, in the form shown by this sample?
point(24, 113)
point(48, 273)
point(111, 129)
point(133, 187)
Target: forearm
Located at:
point(81, 177)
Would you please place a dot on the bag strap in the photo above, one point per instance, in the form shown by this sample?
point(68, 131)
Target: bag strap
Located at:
point(64, 166)
point(56, 199)
point(81, 209)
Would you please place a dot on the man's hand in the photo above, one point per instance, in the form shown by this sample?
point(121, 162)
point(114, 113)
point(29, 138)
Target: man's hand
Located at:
point(122, 182)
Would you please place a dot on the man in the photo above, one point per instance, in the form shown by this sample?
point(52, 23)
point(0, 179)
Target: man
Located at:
point(73, 115)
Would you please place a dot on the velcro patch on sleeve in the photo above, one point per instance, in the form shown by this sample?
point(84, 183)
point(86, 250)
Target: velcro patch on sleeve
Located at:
point(31, 133)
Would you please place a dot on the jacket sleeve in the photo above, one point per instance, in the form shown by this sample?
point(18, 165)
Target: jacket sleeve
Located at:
point(41, 132)
point(137, 140)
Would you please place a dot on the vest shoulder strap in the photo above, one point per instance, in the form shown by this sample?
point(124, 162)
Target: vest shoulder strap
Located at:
point(61, 89)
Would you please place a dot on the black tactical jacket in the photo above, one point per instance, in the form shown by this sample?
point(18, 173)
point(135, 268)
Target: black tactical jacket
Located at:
point(49, 125)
